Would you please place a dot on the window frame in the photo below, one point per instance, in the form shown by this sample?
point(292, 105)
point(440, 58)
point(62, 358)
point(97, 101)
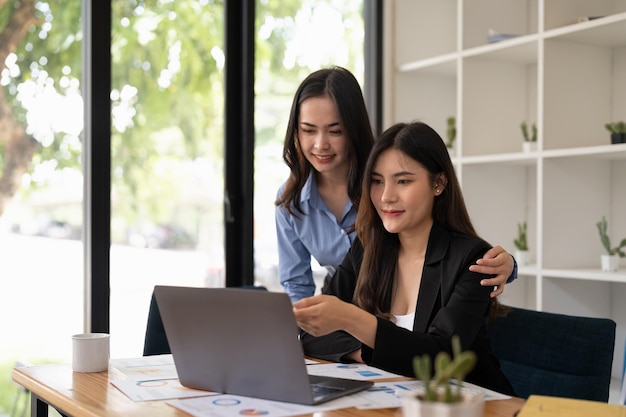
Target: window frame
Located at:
point(238, 137)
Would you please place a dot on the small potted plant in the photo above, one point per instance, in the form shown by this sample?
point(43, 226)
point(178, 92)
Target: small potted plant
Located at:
point(443, 394)
point(610, 260)
point(618, 132)
point(450, 134)
point(521, 244)
point(530, 137)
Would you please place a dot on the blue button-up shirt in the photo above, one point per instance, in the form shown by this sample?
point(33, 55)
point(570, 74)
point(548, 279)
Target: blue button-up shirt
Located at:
point(317, 234)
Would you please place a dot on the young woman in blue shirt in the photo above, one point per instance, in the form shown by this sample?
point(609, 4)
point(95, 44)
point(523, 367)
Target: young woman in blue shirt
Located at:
point(327, 143)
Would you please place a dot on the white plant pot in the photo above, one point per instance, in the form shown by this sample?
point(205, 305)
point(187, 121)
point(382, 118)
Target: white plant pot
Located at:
point(610, 263)
point(473, 406)
point(529, 146)
point(522, 257)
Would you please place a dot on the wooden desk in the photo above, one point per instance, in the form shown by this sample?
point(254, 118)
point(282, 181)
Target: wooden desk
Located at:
point(92, 395)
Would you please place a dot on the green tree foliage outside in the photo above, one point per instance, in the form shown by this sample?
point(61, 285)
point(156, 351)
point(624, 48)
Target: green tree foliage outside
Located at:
point(167, 95)
point(167, 86)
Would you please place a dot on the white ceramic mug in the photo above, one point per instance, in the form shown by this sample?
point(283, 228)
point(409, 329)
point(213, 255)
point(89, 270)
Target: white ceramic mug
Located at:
point(90, 352)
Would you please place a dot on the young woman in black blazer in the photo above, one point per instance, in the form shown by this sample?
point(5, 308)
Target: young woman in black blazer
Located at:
point(405, 288)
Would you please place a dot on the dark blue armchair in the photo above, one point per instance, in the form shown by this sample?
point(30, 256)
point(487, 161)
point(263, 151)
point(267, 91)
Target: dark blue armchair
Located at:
point(554, 354)
point(155, 342)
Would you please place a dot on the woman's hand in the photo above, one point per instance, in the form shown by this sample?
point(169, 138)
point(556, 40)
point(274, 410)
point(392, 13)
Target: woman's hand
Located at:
point(496, 261)
point(323, 314)
point(320, 314)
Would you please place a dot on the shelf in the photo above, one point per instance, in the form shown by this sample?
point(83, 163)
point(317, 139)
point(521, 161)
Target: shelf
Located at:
point(586, 274)
point(589, 274)
point(608, 31)
point(519, 158)
point(567, 13)
point(442, 65)
point(521, 50)
point(527, 270)
point(566, 77)
point(607, 152)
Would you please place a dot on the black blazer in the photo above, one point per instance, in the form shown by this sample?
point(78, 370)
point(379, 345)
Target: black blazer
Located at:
point(450, 301)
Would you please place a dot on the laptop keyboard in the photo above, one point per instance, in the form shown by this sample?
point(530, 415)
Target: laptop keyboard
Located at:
point(321, 390)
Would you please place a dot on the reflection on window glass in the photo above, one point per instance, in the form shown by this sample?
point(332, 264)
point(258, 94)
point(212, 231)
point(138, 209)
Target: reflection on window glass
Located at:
point(41, 120)
point(293, 39)
point(167, 163)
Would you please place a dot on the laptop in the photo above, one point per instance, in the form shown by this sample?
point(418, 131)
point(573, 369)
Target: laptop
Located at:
point(243, 342)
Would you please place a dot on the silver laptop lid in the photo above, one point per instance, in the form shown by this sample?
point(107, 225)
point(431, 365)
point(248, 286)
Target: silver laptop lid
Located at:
point(235, 341)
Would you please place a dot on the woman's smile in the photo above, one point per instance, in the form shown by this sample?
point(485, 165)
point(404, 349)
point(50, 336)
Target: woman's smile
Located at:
point(392, 213)
point(323, 158)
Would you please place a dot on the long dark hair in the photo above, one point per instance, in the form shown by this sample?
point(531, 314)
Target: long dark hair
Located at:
point(420, 142)
point(342, 87)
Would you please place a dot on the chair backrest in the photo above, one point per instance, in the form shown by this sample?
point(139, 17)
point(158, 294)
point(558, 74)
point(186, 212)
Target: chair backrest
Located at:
point(155, 341)
point(554, 354)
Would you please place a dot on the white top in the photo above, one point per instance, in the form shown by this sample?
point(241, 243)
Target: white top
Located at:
point(406, 320)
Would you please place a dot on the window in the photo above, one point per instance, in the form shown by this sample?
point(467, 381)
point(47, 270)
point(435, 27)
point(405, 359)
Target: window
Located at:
point(41, 181)
point(291, 43)
point(167, 181)
point(167, 156)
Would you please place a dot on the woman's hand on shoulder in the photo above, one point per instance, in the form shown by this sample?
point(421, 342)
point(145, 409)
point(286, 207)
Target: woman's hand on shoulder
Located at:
point(498, 262)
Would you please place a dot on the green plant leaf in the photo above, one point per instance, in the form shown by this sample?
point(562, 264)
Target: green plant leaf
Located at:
point(521, 242)
point(438, 386)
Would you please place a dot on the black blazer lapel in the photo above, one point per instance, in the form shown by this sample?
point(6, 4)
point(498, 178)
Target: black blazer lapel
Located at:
point(430, 286)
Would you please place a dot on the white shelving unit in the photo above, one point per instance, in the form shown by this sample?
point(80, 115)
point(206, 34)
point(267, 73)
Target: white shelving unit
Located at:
point(569, 78)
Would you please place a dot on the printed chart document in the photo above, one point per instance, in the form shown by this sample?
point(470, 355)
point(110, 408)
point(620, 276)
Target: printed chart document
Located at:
point(152, 378)
point(157, 389)
point(407, 386)
point(361, 371)
point(356, 371)
point(231, 405)
point(380, 395)
point(234, 405)
point(146, 367)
